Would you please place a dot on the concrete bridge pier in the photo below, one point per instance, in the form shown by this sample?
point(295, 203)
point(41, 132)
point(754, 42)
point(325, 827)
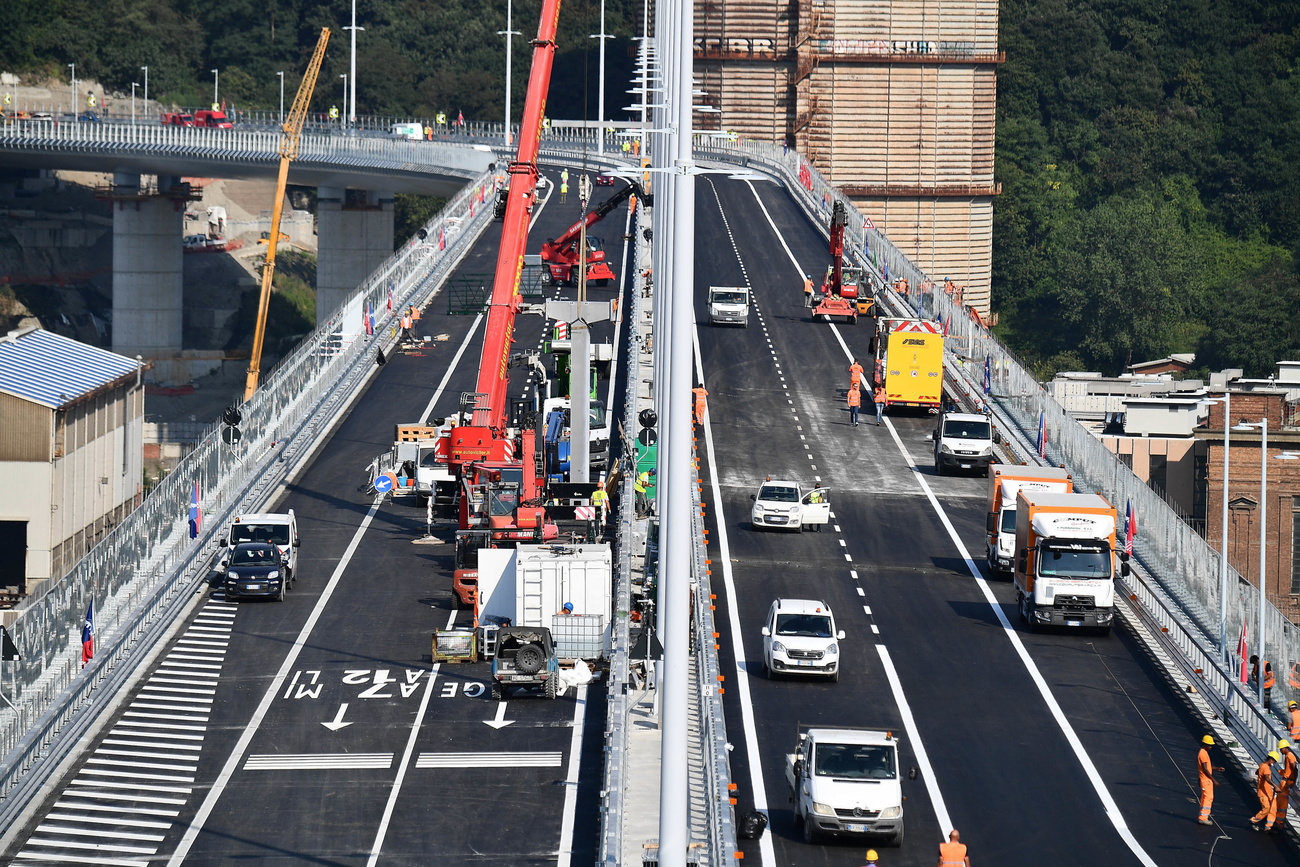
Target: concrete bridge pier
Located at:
point(354, 235)
point(147, 270)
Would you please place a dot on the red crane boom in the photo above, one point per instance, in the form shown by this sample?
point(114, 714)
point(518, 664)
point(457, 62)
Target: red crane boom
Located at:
point(503, 306)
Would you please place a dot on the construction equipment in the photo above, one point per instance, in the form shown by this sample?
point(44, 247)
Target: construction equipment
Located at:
point(834, 302)
point(288, 152)
point(559, 255)
point(909, 362)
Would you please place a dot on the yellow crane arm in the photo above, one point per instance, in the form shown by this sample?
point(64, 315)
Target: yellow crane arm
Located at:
point(288, 151)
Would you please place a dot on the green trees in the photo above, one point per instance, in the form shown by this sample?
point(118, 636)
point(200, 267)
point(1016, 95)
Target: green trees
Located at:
point(1150, 161)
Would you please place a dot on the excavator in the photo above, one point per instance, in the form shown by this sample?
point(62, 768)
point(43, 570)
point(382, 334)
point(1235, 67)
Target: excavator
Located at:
point(842, 293)
point(560, 255)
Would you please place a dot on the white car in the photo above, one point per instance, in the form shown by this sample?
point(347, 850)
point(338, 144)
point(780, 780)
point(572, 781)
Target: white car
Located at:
point(799, 637)
point(786, 505)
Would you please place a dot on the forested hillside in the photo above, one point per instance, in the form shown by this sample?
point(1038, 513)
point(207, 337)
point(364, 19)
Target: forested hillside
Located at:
point(1150, 161)
point(414, 58)
point(1149, 152)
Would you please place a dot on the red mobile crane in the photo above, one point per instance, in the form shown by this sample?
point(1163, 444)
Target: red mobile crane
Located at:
point(840, 288)
point(500, 485)
point(560, 254)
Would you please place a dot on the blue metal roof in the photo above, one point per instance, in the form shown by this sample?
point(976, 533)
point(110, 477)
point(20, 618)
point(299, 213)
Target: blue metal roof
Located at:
point(54, 371)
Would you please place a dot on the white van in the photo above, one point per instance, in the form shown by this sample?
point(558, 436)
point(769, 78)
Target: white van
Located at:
point(412, 131)
point(729, 305)
point(279, 529)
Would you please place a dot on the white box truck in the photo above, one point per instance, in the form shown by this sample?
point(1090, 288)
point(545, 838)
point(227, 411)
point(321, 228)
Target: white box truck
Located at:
point(1005, 482)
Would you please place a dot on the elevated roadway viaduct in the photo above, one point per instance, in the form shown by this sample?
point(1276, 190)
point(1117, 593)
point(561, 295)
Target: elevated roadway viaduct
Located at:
point(1053, 748)
point(355, 175)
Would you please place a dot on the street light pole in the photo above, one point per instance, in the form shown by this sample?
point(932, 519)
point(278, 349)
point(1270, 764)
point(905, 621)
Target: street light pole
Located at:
point(1263, 552)
point(509, 35)
point(1223, 537)
point(146, 88)
point(73, 67)
point(133, 87)
point(343, 117)
point(216, 80)
point(281, 74)
point(600, 96)
point(352, 71)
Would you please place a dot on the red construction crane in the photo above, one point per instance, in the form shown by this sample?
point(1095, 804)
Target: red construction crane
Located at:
point(560, 255)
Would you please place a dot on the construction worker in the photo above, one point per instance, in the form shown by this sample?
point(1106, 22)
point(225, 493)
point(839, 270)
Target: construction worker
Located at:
point(564, 191)
point(855, 374)
point(953, 853)
point(855, 403)
point(1269, 680)
point(1286, 782)
point(1294, 728)
point(406, 326)
point(415, 314)
point(600, 499)
point(807, 290)
point(878, 395)
point(641, 486)
point(565, 609)
point(1205, 773)
point(701, 402)
point(564, 176)
point(1266, 791)
point(627, 147)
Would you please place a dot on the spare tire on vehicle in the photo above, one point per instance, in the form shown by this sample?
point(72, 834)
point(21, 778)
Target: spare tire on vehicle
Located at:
point(529, 659)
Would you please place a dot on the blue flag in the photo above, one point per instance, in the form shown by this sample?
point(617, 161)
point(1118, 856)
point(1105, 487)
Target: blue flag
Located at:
point(988, 374)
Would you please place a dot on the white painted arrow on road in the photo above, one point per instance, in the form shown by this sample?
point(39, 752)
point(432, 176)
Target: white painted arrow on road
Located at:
point(500, 722)
point(338, 723)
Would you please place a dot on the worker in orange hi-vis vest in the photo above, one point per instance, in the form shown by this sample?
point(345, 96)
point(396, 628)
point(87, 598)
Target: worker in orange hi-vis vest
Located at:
point(807, 290)
point(855, 404)
point(701, 402)
point(406, 324)
point(1286, 783)
point(415, 314)
point(953, 853)
point(1205, 775)
point(1266, 792)
point(1294, 727)
point(855, 374)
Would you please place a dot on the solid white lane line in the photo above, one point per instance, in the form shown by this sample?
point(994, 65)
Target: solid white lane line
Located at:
point(1072, 738)
point(756, 784)
point(565, 855)
point(272, 692)
point(922, 757)
point(382, 832)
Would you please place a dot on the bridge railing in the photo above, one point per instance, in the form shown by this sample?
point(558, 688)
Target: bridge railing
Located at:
point(1178, 580)
point(140, 574)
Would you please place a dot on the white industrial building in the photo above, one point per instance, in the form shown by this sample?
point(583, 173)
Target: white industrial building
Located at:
point(71, 465)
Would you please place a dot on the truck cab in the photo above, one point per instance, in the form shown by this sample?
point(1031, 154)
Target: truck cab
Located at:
point(963, 440)
point(1065, 556)
point(729, 305)
point(1006, 481)
point(846, 783)
point(597, 430)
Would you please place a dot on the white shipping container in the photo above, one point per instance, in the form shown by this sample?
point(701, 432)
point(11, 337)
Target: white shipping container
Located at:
point(530, 584)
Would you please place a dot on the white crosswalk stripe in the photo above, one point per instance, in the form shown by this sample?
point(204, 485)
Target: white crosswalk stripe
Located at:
point(489, 760)
point(128, 794)
point(317, 761)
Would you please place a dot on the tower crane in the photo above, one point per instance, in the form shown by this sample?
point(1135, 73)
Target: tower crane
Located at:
point(288, 152)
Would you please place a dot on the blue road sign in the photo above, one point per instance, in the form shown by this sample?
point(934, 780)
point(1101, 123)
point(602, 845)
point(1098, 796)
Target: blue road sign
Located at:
point(383, 484)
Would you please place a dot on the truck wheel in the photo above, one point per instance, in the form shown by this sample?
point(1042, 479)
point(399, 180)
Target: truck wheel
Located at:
point(835, 676)
point(546, 276)
point(938, 467)
point(897, 840)
point(529, 659)
point(552, 686)
point(497, 692)
point(809, 832)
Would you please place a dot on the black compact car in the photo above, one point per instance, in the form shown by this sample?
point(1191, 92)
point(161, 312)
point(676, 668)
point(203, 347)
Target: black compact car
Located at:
point(255, 569)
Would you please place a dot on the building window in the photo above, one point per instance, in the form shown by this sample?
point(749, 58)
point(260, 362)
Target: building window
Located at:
point(1295, 546)
point(1126, 458)
point(1158, 474)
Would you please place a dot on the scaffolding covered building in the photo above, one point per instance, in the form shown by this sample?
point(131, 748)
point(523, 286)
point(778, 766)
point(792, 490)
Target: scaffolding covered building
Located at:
point(892, 100)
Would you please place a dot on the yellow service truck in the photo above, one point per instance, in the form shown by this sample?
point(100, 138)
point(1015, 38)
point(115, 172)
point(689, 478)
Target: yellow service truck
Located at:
point(909, 357)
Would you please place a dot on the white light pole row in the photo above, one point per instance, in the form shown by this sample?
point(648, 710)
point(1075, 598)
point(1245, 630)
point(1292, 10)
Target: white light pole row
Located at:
point(509, 34)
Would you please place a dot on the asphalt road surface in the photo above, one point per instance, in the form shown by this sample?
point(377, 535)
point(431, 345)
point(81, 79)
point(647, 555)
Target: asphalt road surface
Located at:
point(317, 730)
point(1042, 748)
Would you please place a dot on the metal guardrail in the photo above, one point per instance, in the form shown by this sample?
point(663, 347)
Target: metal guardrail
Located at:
point(140, 570)
point(455, 156)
